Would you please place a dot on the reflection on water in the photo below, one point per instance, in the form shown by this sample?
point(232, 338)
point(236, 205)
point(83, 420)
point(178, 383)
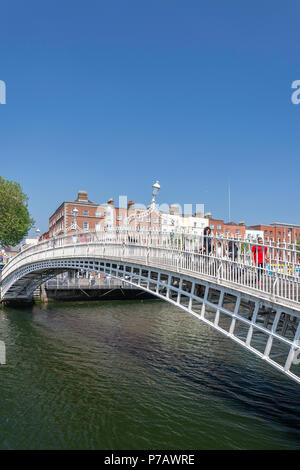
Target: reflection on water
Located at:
point(136, 375)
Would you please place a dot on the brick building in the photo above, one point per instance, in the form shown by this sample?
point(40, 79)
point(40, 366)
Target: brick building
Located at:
point(231, 229)
point(85, 215)
point(279, 232)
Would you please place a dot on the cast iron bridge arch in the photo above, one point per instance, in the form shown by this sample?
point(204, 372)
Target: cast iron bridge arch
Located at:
point(262, 317)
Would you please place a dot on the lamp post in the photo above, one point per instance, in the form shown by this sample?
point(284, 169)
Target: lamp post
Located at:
point(151, 208)
point(155, 189)
point(74, 225)
point(75, 214)
point(37, 233)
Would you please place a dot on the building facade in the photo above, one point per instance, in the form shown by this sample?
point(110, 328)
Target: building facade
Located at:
point(228, 229)
point(279, 232)
point(85, 215)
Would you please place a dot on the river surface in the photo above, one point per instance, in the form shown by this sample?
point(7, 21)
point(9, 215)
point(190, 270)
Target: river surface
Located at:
point(136, 375)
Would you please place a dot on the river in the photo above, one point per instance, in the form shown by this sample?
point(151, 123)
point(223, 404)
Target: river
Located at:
point(136, 375)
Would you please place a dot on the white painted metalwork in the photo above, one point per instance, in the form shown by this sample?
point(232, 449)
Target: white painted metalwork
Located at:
point(255, 306)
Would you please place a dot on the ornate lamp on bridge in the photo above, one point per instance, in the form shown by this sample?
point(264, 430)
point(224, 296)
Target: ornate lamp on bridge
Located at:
point(74, 225)
point(147, 212)
point(155, 189)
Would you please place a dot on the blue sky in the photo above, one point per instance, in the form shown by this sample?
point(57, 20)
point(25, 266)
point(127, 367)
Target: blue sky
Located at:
point(108, 96)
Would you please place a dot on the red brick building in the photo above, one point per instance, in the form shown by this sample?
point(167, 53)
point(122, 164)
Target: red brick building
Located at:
point(279, 232)
point(85, 215)
point(231, 229)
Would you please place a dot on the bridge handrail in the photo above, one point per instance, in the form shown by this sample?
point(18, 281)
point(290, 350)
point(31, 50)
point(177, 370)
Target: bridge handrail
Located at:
point(239, 270)
point(284, 258)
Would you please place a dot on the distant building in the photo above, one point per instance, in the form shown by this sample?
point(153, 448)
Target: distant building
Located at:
point(279, 232)
point(80, 214)
point(230, 229)
point(12, 251)
point(174, 221)
point(44, 236)
point(253, 235)
point(85, 215)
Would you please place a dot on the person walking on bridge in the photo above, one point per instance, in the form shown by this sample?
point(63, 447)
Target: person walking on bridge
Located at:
point(260, 257)
point(207, 241)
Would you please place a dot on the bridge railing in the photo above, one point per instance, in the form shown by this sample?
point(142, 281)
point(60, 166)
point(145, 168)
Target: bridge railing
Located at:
point(235, 260)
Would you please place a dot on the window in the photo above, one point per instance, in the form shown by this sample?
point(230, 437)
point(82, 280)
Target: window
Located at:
point(98, 214)
point(155, 221)
point(85, 212)
point(119, 217)
point(237, 231)
point(212, 226)
point(219, 227)
point(227, 230)
point(148, 219)
point(271, 233)
point(85, 225)
point(141, 218)
point(195, 224)
point(97, 226)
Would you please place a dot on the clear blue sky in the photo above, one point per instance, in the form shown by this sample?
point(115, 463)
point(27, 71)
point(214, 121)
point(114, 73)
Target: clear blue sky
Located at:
point(108, 96)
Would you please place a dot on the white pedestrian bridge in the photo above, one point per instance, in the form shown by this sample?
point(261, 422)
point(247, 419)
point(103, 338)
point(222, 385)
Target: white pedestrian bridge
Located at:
point(214, 279)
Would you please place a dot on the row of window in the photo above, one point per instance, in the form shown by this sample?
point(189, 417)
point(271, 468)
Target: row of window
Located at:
point(86, 213)
point(279, 233)
point(237, 231)
point(97, 226)
point(58, 216)
point(119, 217)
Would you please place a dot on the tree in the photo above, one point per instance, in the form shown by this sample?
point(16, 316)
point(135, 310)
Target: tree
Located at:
point(15, 220)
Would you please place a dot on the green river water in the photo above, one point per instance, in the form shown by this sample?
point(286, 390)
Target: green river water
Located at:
point(136, 375)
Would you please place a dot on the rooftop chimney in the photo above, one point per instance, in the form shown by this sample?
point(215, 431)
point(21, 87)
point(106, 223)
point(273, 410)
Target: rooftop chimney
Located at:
point(199, 214)
point(174, 209)
point(82, 196)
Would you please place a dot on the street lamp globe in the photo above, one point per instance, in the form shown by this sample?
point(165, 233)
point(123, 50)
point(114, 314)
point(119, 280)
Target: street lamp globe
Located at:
point(38, 232)
point(75, 212)
point(155, 189)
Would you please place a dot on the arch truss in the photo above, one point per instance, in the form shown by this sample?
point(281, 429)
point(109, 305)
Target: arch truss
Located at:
point(265, 325)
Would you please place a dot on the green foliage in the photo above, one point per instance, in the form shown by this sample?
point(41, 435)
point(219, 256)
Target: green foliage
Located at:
point(15, 220)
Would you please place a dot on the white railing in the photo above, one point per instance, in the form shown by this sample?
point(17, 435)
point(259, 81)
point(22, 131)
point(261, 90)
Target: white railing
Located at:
point(224, 259)
point(87, 283)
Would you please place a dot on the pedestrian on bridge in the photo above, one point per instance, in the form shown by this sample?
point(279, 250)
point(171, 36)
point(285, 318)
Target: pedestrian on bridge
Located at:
point(260, 257)
point(207, 245)
point(233, 250)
